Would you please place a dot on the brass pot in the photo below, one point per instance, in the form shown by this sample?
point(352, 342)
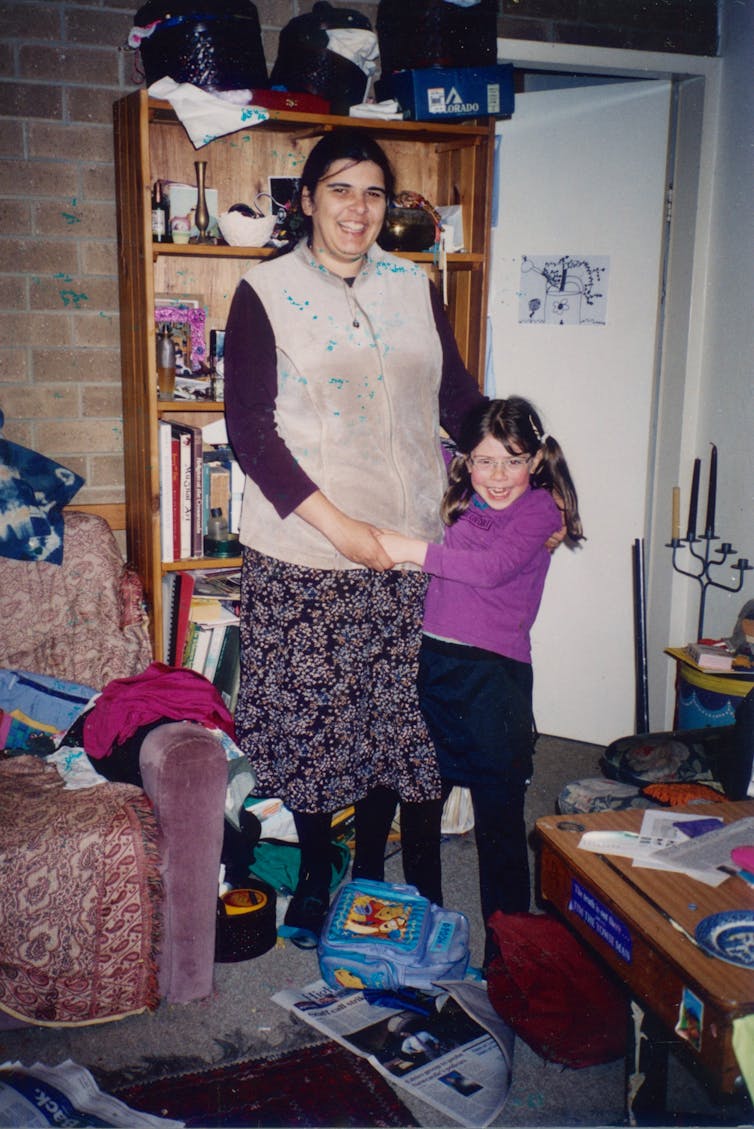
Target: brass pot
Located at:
point(407, 229)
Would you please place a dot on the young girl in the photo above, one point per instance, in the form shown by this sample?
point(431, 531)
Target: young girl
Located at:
point(509, 491)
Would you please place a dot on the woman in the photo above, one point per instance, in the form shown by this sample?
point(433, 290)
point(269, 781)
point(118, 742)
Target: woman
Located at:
point(339, 366)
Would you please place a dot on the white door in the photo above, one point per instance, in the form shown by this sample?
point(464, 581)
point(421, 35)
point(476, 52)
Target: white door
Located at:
point(582, 178)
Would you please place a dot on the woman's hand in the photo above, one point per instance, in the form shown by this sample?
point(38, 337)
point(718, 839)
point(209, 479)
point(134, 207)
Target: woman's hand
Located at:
point(403, 550)
point(356, 540)
point(559, 535)
point(360, 543)
point(556, 539)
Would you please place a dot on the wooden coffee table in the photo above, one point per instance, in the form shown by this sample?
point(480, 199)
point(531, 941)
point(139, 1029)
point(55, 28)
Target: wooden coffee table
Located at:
point(641, 923)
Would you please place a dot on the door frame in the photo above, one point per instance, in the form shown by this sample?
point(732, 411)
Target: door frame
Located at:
point(671, 600)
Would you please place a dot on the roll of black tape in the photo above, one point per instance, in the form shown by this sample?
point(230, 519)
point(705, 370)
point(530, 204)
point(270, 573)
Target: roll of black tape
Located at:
point(246, 924)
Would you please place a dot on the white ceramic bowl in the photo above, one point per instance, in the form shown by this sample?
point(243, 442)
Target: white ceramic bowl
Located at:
point(245, 231)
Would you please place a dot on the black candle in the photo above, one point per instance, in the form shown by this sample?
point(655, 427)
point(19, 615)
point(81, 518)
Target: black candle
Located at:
point(693, 500)
point(709, 528)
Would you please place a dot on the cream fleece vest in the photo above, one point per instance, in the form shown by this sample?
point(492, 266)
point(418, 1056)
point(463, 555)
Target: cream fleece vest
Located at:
point(359, 372)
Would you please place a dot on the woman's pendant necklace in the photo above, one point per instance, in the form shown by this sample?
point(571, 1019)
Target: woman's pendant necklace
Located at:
point(354, 315)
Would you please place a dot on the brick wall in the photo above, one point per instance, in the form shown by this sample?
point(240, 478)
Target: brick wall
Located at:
point(62, 64)
point(685, 26)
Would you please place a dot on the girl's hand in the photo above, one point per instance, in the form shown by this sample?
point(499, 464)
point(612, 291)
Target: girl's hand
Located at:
point(403, 550)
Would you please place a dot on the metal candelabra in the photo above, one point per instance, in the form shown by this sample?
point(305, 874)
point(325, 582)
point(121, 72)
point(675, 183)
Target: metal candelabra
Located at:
point(705, 563)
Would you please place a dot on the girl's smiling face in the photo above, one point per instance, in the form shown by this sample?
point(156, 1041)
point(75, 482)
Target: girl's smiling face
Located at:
point(347, 211)
point(498, 476)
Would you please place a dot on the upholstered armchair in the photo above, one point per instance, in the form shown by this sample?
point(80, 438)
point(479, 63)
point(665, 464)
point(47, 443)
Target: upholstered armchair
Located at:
point(113, 848)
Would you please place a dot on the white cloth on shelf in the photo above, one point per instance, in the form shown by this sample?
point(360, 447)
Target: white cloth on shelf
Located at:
point(205, 115)
point(388, 110)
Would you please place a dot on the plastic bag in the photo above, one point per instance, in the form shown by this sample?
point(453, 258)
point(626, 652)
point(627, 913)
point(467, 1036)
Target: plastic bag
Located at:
point(278, 863)
point(436, 33)
point(307, 65)
point(212, 44)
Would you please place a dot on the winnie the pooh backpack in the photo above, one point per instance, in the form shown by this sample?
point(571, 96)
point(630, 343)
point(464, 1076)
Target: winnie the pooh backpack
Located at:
point(382, 935)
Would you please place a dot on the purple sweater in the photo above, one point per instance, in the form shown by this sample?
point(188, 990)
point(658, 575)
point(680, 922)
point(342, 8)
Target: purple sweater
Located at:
point(489, 574)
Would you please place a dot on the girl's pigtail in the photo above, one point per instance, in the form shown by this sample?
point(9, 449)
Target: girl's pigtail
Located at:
point(458, 491)
point(554, 475)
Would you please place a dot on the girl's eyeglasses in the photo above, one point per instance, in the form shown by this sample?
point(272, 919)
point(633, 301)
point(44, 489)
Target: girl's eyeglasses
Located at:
point(485, 464)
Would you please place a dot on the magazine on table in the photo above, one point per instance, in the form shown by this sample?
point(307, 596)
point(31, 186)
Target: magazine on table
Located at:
point(454, 1053)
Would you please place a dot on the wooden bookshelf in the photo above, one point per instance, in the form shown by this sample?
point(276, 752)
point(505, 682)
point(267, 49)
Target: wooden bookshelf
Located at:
point(447, 164)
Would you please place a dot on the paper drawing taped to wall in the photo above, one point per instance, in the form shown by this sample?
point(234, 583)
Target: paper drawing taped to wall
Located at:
point(563, 290)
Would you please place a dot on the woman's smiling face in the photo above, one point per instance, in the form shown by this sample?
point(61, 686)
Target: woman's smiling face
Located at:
point(347, 211)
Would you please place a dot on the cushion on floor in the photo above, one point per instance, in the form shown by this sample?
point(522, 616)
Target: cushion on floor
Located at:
point(595, 793)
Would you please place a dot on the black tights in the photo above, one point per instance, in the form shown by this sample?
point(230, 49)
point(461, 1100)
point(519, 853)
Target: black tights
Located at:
point(314, 838)
point(420, 840)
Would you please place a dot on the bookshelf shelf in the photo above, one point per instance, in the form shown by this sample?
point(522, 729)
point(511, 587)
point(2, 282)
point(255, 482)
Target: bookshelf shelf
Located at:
point(222, 251)
point(207, 251)
point(201, 562)
point(175, 407)
point(445, 163)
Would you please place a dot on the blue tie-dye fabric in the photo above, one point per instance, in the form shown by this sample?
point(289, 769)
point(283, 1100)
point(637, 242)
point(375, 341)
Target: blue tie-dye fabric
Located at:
point(33, 491)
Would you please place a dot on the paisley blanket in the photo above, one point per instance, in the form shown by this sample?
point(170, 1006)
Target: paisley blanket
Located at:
point(79, 898)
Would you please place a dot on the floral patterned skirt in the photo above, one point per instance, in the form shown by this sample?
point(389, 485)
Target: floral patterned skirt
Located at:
point(328, 706)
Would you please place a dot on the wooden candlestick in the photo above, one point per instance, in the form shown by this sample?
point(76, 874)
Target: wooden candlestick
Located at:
point(675, 522)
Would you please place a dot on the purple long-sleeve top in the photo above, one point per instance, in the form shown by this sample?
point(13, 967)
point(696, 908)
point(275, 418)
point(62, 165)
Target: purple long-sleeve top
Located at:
point(489, 574)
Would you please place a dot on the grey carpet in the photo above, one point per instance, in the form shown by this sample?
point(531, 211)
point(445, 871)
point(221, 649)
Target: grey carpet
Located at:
point(239, 1021)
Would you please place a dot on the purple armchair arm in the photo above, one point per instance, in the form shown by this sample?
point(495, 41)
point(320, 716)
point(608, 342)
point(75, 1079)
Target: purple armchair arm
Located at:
point(185, 775)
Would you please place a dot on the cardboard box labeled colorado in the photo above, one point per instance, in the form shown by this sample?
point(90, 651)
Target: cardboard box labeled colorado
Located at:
point(451, 94)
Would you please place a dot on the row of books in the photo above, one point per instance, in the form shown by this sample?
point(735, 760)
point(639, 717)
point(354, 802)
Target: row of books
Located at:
point(195, 477)
point(201, 627)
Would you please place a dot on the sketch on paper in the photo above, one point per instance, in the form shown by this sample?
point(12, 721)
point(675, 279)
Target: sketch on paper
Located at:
point(563, 290)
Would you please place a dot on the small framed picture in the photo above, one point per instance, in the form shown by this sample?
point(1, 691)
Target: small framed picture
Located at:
point(187, 301)
point(187, 321)
point(283, 190)
point(217, 362)
point(216, 349)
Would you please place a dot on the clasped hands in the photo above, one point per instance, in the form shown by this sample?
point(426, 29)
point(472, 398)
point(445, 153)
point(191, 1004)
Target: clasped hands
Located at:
point(367, 545)
point(393, 549)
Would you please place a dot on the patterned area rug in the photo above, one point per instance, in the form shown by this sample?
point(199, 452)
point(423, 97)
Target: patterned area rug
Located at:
point(321, 1085)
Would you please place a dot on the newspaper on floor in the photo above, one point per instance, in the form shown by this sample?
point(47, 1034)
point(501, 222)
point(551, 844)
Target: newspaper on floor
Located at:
point(457, 1058)
point(42, 1095)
